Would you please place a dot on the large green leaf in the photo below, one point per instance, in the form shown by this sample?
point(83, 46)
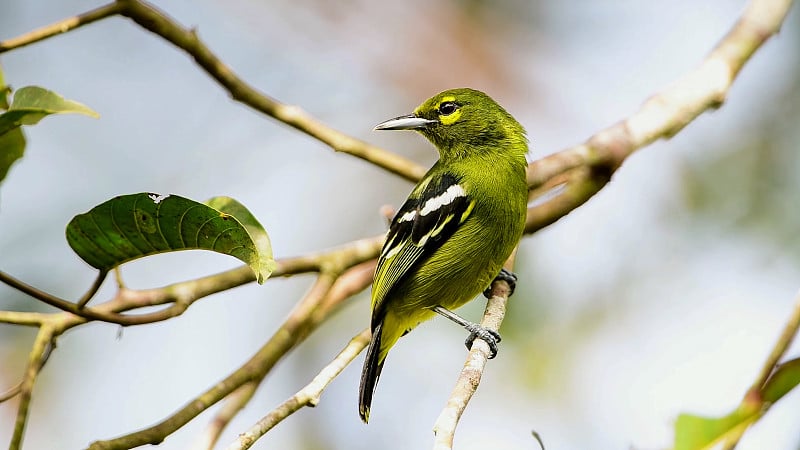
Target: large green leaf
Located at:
point(136, 225)
point(32, 103)
point(702, 433)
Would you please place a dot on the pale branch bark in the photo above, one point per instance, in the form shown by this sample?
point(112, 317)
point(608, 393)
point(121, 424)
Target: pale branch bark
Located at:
point(152, 19)
point(348, 260)
point(469, 379)
point(98, 281)
point(583, 170)
point(661, 116)
point(62, 26)
point(308, 396)
point(11, 392)
point(158, 22)
point(42, 346)
point(30, 319)
point(182, 295)
point(589, 166)
point(328, 292)
point(234, 403)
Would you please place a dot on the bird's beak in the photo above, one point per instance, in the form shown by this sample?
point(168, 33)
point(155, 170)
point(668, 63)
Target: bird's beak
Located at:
point(409, 122)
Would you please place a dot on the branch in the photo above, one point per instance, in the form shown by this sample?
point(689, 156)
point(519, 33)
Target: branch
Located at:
point(233, 404)
point(184, 294)
point(585, 169)
point(469, 379)
point(661, 116)
point(781, 346)
point(158, 22)
point(30, 319)
point(11, 392)
point(62, 26)
point(45, 340)
point(308, 396)
point(152, 19)
point(349, 259)
point(589, 166)
point(98, 281)
point(329, 291)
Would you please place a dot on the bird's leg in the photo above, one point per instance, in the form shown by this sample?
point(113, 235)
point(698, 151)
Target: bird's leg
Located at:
point(507, 276)
point(491, 337)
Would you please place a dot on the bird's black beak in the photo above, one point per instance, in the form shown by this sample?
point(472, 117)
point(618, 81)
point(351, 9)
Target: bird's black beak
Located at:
point(408, 122)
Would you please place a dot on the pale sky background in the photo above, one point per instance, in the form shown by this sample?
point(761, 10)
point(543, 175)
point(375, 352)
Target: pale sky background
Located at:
point(661, 295)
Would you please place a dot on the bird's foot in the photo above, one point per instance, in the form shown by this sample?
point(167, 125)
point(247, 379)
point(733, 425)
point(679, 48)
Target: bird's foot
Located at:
point(504, 275)
point(491, 337)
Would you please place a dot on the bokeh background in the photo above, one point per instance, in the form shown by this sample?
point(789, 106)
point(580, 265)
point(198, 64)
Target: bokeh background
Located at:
point(661, 295)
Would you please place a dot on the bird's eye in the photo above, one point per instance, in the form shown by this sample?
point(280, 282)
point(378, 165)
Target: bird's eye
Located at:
point(447, 108)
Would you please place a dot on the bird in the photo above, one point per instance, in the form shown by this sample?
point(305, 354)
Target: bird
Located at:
point(457, 227)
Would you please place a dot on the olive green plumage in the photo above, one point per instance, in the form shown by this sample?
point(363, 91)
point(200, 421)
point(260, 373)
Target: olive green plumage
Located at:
point(458, 225)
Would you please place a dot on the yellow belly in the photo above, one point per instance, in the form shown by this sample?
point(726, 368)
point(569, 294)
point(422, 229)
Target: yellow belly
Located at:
point(448, 283)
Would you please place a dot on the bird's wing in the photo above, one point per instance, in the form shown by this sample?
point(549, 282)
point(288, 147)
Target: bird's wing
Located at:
point(432, 213)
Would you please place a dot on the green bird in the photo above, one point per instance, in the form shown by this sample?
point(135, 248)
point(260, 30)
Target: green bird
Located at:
point(460, 223)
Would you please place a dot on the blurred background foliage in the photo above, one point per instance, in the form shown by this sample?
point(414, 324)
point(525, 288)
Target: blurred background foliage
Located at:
point(663, 294)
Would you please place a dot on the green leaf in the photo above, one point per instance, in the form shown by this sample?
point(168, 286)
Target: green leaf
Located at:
point(32, 103)
point(137, 225)
point(4, 91)
point(785, 378)
point(12, 147)
point(12, 144)
point(702, 433)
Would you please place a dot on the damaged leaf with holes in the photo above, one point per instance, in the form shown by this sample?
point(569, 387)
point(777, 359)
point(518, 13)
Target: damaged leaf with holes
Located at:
point(137, 225)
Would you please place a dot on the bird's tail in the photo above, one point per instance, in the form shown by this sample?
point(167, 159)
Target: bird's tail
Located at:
point(370, 373)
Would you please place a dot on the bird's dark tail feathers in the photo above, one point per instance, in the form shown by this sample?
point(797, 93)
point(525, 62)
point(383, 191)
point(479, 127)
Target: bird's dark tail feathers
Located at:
point(370, 373)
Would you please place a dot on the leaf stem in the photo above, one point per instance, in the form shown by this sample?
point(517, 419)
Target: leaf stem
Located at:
point(98, 281)
point(307, 396)
point(779, 349)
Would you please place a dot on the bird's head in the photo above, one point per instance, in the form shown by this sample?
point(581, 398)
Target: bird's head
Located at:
point(460, 121)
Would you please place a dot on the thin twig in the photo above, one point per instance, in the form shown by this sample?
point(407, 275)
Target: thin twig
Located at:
point(152, 19)
point(36, 359)
point(753, 399)
point(350, 258)
point(62, 26)
point(662, 115)
point(308, 396)
point(118, 278)
point(470, 377)
point(232, 405)
point(11, 392)
point(86, 314)
point(30, 319)
point(182, 295)
point(779, 349)
point(252, 371)
point(98, 281)
point(328, 292)
point(590, 164)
